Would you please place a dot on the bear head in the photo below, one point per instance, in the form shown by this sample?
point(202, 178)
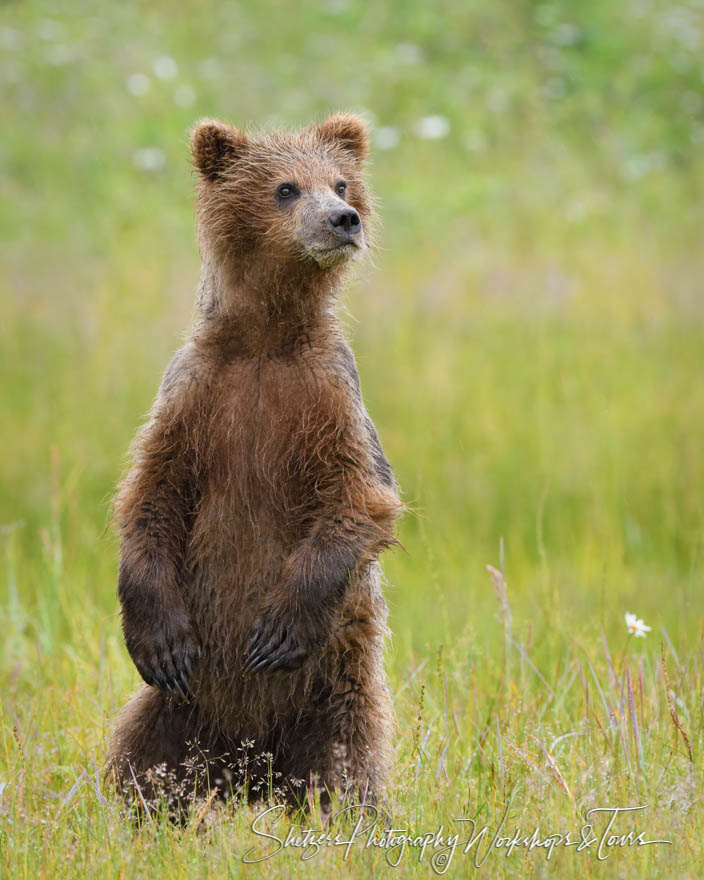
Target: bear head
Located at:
point(283, 197)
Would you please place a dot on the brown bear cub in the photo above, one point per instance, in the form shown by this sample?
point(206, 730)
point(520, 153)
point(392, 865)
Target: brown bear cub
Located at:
point(259, 499)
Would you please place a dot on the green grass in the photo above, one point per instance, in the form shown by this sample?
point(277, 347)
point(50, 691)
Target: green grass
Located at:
point(530, 342)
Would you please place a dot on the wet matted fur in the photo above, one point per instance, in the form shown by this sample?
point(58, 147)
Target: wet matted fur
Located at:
point(259, 498)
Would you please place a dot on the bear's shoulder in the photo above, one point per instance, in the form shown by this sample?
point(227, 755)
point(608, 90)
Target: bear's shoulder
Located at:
point(186, 382)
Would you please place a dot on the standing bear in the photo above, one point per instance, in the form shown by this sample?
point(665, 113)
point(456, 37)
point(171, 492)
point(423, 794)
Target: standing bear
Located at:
point(259, 498)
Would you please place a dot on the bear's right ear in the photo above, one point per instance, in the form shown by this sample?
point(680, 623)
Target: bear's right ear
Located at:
point(347, 131)
point(215, 146)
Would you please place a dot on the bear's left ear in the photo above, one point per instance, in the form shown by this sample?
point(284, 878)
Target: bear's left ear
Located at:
point(346, 131)
point(215, 146)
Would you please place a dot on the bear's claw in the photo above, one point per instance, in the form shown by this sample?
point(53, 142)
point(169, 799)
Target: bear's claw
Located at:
point(274, 646)
point(169, 663)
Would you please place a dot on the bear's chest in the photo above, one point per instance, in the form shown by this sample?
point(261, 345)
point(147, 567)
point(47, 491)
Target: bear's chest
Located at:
point(282, 399)
point(279, 422)
point(278, 431)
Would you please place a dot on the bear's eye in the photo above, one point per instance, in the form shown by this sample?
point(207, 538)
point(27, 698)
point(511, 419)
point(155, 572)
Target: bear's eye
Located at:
point(341, 188)
point(287, 191)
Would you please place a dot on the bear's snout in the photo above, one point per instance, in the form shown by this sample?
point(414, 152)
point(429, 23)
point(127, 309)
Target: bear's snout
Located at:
point(329, 230)
point(346, 224)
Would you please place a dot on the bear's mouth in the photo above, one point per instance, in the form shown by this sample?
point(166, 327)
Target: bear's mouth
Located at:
point(326, 258)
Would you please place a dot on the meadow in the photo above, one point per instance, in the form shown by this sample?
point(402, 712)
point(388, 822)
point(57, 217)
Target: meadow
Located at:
point(530, 339)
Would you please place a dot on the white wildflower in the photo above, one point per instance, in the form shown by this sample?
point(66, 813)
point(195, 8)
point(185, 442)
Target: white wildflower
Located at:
point(149, 159)
point(164, 67)
point(409, 53)
point(432, 127)
point(635, 626)
point(10, 38)
point(138, 84)
point(211, 68)
point(50, 30)
point(386, 137)
point(497, 100)
point(59, 54)
point(184, 95)
point(566, 34)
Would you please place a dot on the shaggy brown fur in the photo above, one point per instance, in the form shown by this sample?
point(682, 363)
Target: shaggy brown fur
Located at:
point(259, 499)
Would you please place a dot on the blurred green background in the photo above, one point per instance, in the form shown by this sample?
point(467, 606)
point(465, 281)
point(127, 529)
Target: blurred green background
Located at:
point(530, 337)
point(530, 334)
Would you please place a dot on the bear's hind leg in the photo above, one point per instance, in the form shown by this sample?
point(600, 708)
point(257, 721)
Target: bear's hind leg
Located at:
point(360, 724)
point(161, 751)
point(343, 742)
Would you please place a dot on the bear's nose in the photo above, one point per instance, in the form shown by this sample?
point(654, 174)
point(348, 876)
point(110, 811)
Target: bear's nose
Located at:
point(346, 223)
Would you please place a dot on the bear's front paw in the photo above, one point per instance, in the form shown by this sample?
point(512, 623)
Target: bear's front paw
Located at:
point(280, 644)
point(167, 656)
